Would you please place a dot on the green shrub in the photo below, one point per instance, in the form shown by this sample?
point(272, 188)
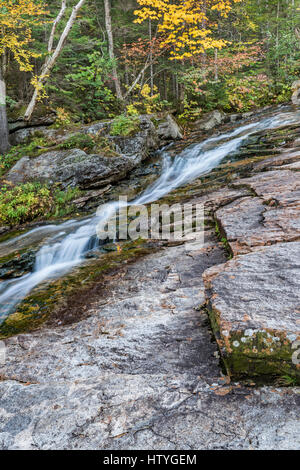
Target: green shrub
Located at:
point(23, 203)
point(245, 92)
point(105, 146)
point(62, 201)
point(125, 125)
point(29, 201)
point(79, 141)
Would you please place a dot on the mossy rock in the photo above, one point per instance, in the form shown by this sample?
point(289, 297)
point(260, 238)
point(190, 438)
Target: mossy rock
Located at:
point(47, 301)
point(253, 314)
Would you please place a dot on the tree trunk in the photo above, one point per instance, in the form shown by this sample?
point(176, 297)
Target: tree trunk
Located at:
point(151, 58)
point(137, 79)
point(111, 48)
point(51, 59)
point(216, 65)
point(4, 142)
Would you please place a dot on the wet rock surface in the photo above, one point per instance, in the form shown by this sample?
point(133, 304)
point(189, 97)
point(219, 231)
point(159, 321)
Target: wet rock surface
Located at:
point(142, 371)
point(18, 265)
point(110, 383)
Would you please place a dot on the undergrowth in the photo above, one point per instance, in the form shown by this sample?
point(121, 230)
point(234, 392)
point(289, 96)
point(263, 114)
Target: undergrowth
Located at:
point(29, 201)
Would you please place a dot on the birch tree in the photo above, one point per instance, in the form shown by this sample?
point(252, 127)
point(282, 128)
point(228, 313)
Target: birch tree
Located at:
point(110, 38)
point(4, 141)
point(53, 52)
point(16, 21)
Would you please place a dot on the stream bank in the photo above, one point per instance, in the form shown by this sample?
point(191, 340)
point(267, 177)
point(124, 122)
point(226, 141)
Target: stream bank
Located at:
point(141, 371)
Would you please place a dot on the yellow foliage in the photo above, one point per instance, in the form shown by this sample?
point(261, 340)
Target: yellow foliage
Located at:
point(131, 110)
point(184, 24)
point(149, 104)
point(63, 118)
point(17, 18)
point(40, 88)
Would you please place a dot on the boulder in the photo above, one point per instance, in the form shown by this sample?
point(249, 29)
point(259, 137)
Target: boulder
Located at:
point(254, 309)
point(295, 85)
point(77, 168)
point(42, 116)
point(71, 168)
point(21, 135)
point(210, 121)
point(140, 143)
point(235, 117)
point(168, 129)
point(248, 114)
point(296, 92)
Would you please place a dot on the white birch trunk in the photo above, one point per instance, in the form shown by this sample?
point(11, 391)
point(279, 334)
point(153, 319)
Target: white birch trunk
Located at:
point(4, 142)
point(52, 58)
point(111, 48)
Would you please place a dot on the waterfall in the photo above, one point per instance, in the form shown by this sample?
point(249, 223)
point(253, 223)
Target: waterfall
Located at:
point(66, 250)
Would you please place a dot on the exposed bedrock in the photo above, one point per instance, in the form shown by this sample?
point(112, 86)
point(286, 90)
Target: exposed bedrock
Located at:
point(138, 368)
point(141, 372)
point(254, 299)
point(254, 304)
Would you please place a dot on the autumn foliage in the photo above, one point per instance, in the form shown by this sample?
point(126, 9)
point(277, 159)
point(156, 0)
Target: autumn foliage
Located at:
point(17, 18)
point(185, 25)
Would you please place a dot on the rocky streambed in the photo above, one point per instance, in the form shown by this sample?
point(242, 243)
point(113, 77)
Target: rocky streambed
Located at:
point(172, 347)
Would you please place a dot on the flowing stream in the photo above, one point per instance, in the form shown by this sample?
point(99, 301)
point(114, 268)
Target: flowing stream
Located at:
point(71, 240)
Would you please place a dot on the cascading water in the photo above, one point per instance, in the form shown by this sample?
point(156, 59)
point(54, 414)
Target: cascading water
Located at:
point(66, 250)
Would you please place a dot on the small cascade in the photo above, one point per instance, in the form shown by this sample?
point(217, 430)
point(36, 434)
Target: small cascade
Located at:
point(66, 249)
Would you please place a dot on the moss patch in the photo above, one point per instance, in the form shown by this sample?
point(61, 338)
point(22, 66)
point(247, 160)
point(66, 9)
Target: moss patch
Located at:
point(125, 126)
point(65, 300)
point(90, 144)
point(262, 355)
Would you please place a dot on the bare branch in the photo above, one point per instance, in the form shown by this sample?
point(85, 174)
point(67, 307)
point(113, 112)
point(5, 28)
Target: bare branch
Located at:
point(139, 76)
point(55, 23)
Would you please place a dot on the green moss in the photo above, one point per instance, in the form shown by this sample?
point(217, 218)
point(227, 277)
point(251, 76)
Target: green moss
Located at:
point(80, 141)
point(90, 144)
point(11, 234)
point(223, 239)
point(125, 125)
point(14, 113)
point(52, 296)
point(286, 381)
point(155, 121)
point(14, 255)
point(264, 356)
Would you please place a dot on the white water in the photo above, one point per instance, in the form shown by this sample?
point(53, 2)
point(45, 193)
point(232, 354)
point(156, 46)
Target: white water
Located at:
point(64, 251)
